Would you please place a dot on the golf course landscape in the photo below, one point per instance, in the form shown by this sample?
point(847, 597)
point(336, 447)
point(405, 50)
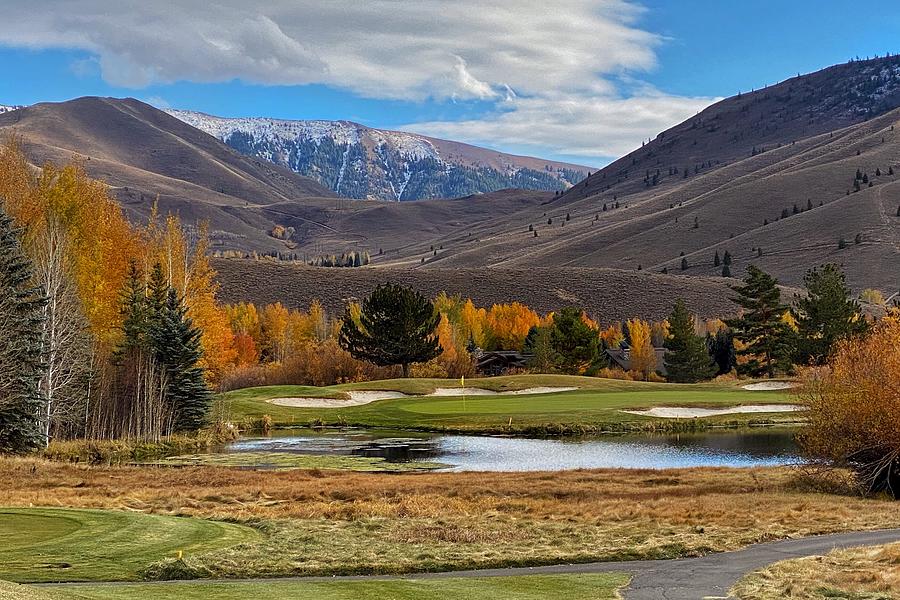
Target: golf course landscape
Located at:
point(588, 405)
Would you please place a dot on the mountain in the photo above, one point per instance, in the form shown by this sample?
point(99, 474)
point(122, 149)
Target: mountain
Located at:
point(145, 154)
point(768, 176)
point(356, 161)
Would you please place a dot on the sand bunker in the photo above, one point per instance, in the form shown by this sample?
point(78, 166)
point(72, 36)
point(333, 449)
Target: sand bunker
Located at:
point(763, 386)
point(470, 391)
point(539, 390)
point(356, 398)
point(360, 397)
point(675, 412)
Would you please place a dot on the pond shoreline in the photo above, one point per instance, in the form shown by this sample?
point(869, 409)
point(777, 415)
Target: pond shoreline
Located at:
point(550, 430)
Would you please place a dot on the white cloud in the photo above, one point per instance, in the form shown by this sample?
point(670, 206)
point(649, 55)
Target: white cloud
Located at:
point(378, 48)
point(548, 67)
point(593, 126)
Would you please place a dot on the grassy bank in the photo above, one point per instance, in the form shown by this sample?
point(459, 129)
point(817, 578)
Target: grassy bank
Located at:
point(55, 544)
point(593, 408)
point(857, 573)
point(100, 452)
point(330, 522)
point(531, 587)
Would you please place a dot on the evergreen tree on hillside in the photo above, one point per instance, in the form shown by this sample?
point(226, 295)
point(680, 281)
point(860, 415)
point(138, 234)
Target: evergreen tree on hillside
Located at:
point(825, 315)
point(687, 359)
point(21, 365)
point(761, 328)
point(176, 344)
point(396, 327)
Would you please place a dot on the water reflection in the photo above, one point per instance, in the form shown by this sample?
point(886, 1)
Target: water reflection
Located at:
point(474, 453)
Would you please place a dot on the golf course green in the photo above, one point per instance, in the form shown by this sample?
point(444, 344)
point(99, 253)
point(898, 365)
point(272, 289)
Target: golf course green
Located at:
point(529, 587)
point(597, 404)
point(59, 544)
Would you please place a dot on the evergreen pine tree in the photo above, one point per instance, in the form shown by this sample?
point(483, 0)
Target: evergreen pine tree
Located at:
point(726, 260)
point(687, 358)
point(396, 327)
point(21, 364)
point(684, 264)
point(825, 315)
point(716, 260)
point(575, 345)
point(761, 328)
point(176, 344)
point(135, 310)
point(721, 348)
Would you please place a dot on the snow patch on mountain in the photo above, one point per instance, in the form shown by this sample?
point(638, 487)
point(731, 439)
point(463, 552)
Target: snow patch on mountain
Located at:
point(6, 108)
point(363, 162)
point(279, 130)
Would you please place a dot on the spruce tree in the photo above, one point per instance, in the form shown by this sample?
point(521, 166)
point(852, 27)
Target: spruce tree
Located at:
point(396, 327)
point(721, 348)
point(176, 345)
point(716, 260)
point(21, 364)
point(574, 343)
point(825, 315)
point(687, 358)
point(135, 310)
point(761, 328)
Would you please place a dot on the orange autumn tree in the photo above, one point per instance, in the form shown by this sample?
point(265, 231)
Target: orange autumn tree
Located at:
point(508, 325)
point(642, 354)
point(612, 336)
point(854, 408)
point(244, 320)
point(100, 241)
point(454, 358)
point(472, 323)
point(183, 254)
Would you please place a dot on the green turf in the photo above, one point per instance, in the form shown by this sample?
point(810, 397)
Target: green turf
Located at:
point(597, 404)
point(55, 544)
point(529, 587)
point(288, 461)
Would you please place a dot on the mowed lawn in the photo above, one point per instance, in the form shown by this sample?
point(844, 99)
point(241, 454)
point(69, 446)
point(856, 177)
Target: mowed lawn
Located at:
point(597, 403)
point(527, 587)
point(59, 544)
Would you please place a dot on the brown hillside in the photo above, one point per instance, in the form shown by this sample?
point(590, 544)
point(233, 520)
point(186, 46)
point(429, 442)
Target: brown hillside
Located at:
point(142, 153)
point(606, 294)
point(758, 154)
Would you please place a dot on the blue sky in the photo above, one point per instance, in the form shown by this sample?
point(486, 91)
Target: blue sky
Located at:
point(584, 82)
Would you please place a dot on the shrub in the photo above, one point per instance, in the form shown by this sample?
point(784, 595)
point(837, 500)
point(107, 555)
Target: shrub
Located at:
point(854, 408)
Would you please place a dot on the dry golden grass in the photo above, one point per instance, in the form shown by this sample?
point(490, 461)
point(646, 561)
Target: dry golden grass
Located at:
point(859, 573)
point(338, 522)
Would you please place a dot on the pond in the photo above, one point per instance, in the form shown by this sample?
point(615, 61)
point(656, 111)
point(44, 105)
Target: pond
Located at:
point(478, 453)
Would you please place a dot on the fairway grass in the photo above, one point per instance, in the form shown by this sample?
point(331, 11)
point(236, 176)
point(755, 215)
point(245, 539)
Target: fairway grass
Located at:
point(597, 406)
point(341, 523)
point(526, 587)
point(57, 544)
